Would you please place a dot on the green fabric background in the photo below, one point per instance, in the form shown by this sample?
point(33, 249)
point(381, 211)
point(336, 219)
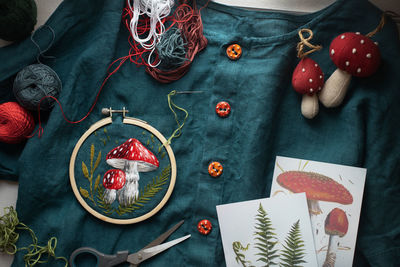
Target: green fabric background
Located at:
point(265, 121)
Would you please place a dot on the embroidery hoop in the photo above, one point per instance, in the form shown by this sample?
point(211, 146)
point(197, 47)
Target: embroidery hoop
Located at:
point(128, 121)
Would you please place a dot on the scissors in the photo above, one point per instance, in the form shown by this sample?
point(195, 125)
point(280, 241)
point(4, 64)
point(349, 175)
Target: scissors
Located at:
point(152, 249)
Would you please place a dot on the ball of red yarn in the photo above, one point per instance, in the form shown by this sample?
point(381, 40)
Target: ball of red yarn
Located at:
point(16, 123)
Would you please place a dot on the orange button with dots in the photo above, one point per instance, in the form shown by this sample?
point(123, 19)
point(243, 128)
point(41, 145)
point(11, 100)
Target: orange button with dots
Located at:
point(215, 169)
point(234, 51)
point(204, 227)
point(223, 109)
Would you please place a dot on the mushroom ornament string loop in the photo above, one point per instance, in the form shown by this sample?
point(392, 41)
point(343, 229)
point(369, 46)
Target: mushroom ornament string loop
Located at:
point(307, 78)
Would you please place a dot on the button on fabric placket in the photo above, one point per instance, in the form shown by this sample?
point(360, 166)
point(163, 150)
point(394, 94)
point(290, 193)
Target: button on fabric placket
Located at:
point(218, 146)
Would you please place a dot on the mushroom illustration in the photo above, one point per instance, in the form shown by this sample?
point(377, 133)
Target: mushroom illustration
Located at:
point(113, 180)
point(317, 187)
point(336, 225)
point(353, 54)
point(308, 79)
point(132, 157)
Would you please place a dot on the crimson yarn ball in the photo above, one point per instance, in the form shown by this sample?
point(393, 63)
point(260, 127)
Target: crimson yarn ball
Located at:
point(16, 123)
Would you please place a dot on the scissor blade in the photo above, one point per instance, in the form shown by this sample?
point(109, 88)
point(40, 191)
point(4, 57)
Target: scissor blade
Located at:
point(146, 253)
point(164, 236)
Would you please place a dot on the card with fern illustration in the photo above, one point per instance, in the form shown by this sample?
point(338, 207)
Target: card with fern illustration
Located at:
point(267, 232)
point(91, 166)
point(334, 195)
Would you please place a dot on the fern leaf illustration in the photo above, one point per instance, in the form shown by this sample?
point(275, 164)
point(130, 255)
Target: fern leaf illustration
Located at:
point(292, 254)
point(240, 257)
point(265, 238)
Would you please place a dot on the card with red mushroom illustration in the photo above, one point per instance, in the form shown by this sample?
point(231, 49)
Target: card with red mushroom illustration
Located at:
point(122, 172)
point(258, 233)
point(334, 196)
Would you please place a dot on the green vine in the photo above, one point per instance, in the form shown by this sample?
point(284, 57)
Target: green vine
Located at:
point(266, 238)
point(293, 250)
point(89, 175)
point(240, 257)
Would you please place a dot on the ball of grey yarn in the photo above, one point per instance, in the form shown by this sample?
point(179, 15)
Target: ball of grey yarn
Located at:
point(33, 83)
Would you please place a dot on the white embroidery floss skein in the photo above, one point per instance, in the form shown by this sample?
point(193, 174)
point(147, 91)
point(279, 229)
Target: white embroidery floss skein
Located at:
point(156, 10)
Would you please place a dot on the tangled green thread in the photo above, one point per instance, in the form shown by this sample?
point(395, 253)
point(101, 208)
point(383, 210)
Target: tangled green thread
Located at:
point(9, 224)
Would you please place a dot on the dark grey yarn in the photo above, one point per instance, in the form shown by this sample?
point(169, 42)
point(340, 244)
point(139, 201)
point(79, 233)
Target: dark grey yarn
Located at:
point(171, 49)
point(33, 83)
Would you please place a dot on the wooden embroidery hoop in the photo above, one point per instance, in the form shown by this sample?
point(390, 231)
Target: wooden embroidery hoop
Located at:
point(129, 121)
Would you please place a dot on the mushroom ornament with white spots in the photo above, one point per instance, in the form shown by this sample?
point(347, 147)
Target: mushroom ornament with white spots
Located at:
point(353, 54)
point(336, 225)
point(308, 79)
point(113, 180)
point(132, 157)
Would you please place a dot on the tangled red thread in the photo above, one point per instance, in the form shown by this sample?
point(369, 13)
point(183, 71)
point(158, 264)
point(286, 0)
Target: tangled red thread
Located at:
point(188, 20)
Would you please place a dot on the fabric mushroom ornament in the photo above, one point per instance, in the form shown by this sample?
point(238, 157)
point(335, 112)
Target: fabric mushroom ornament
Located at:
point(113, 180)
point(353, 54)
point(307, 78)
point(132, 157)
point(336, 225)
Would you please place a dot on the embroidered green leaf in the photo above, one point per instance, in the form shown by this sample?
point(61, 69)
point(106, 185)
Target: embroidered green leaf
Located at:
point(152, 138)
point(97, 182)
point(84, 192)
point(148, 142)
point(91, 155)
point(96, 164)
point(162, 155)
point(85, 170)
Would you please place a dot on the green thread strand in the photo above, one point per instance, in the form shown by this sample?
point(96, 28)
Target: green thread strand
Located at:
point(9, 223)
point(178, 131)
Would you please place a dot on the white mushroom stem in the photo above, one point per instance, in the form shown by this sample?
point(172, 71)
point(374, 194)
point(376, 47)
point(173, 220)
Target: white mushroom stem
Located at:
point(331, 253)
point(129, 193)
point(314, 209)
point(109, 196)
point(335, 89)
point(309, 106)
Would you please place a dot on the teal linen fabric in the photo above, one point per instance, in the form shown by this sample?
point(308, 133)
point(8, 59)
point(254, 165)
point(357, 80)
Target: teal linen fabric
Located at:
point(265, 121)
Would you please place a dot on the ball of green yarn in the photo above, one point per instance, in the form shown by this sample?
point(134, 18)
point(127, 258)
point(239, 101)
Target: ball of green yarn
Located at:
point(17, 19)
point(33, 83)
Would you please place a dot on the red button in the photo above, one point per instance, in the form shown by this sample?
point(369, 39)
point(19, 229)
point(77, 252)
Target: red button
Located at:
point(223, 109)
point(204, 227)
point(234, 51)
point(215, 169)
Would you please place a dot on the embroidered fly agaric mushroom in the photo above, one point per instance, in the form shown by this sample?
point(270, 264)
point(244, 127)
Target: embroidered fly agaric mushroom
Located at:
point(317, 187)
point(308, 79)
point(354, 55)
point(132, 157)
point(336, 225)
point(113, 180)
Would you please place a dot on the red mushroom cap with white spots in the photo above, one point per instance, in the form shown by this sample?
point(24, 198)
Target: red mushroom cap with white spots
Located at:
point(336, 223)
point(307, 77)
point(316, 186)
point(132, 150)
point(355, 53)
point(114, 179)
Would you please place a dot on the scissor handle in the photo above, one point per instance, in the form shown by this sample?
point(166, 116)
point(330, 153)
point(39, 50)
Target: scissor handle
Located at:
point(103, 260)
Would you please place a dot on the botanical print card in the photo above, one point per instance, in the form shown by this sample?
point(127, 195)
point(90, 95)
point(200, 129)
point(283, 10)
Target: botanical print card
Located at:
point(334, 195)
point(267, 232)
